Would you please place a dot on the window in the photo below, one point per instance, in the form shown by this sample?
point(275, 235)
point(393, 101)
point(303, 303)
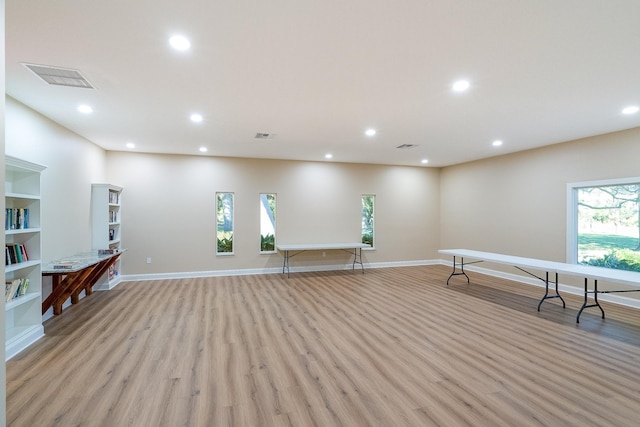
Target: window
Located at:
point(368, 222)
point(267, 223)
point(224, 223)
point(604, 224)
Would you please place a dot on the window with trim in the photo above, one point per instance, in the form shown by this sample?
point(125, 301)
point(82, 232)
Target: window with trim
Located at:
point(224, 223)
point(368, 219)
point(267, 223)
point(604, 224)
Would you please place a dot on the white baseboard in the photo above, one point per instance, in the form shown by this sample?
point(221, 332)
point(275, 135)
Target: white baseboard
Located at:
point(107, 285)
point(271, 270)
point(28, 337)
point(574, 290)
point(193, 274)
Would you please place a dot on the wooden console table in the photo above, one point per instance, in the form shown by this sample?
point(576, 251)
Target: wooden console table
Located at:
point(75, 274)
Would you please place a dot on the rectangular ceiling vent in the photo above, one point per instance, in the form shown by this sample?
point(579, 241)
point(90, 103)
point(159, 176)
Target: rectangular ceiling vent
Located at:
point(406, 146)
point(60, 76)
point(262, 135)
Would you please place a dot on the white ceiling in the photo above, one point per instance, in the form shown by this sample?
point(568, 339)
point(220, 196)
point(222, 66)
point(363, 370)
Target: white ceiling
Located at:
point(318, 73)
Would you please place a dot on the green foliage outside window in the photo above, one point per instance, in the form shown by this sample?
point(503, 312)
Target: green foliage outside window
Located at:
point(368, 209)
point(224, 222)
point(225, 242)
point(619, 259)
point(267, 243)
point(267, 222)
point(609, 226)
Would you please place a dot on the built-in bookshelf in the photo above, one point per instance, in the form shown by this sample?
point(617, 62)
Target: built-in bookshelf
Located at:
point(107, 229)
point(23, 267)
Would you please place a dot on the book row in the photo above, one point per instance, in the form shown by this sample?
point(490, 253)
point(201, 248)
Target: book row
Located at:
point(15, 288)
point(15, 253)
point(16, 218)
point(113, 272)
point(114, 198)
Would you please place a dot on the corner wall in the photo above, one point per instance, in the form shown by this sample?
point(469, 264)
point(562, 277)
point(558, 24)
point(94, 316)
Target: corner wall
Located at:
point(517, 203)
point(72, 162)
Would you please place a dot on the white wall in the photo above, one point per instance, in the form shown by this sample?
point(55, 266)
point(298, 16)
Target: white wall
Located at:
point(513, 204)
point(3, 372)
point(169, 209)
point(169, 202)
point(516, 204)
point(73, 163)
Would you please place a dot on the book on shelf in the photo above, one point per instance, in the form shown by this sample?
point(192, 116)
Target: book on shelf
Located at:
point(16, 218)
point(23, 248)
point(15, 288)
point(113, 272)
point(114, 197)
point(109, 251)
point(64, 265)
point(16, 248)
point(10, 254)
point(15, 253)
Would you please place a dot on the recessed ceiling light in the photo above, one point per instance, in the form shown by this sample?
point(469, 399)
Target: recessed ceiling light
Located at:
point(196, 118)
point(179, 42)
point(496, 143)
point(85, 109)
point(328, 156)
point(370, 132)
point(424, 161)
point(131, 145)
point(461, 85)
point(203, 149)
point(632, 109)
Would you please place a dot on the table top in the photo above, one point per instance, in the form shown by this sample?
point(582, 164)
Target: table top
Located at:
point(321, 246)
point(76, 262)
point(600, 273)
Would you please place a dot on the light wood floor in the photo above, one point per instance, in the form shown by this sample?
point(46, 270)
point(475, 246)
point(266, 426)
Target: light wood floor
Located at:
point(392, 347)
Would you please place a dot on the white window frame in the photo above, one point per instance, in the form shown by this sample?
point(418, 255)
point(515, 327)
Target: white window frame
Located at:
point(373, 243)
point(572, 209)
point(275, 225)
point(233, 221)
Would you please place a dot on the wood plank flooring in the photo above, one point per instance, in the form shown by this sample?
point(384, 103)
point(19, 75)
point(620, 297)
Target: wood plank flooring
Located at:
point(392, 347)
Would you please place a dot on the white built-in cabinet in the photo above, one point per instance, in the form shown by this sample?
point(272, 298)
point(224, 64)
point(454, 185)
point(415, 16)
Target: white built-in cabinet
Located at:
point(23, 249)
point(106, 227)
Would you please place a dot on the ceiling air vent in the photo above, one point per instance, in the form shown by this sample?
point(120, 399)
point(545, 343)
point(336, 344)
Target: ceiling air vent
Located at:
point(406, 146)
point(262, 135)
point(60, 76)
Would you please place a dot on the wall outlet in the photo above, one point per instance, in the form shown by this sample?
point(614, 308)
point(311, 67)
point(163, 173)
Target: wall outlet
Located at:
point(148, 260)
point(324, 253)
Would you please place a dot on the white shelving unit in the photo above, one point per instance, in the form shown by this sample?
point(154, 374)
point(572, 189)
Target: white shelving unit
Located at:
point(23, 315)
point(106, 227)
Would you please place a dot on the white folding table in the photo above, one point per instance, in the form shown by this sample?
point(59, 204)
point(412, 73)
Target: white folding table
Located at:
point(587, 272)
point(289, 251)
